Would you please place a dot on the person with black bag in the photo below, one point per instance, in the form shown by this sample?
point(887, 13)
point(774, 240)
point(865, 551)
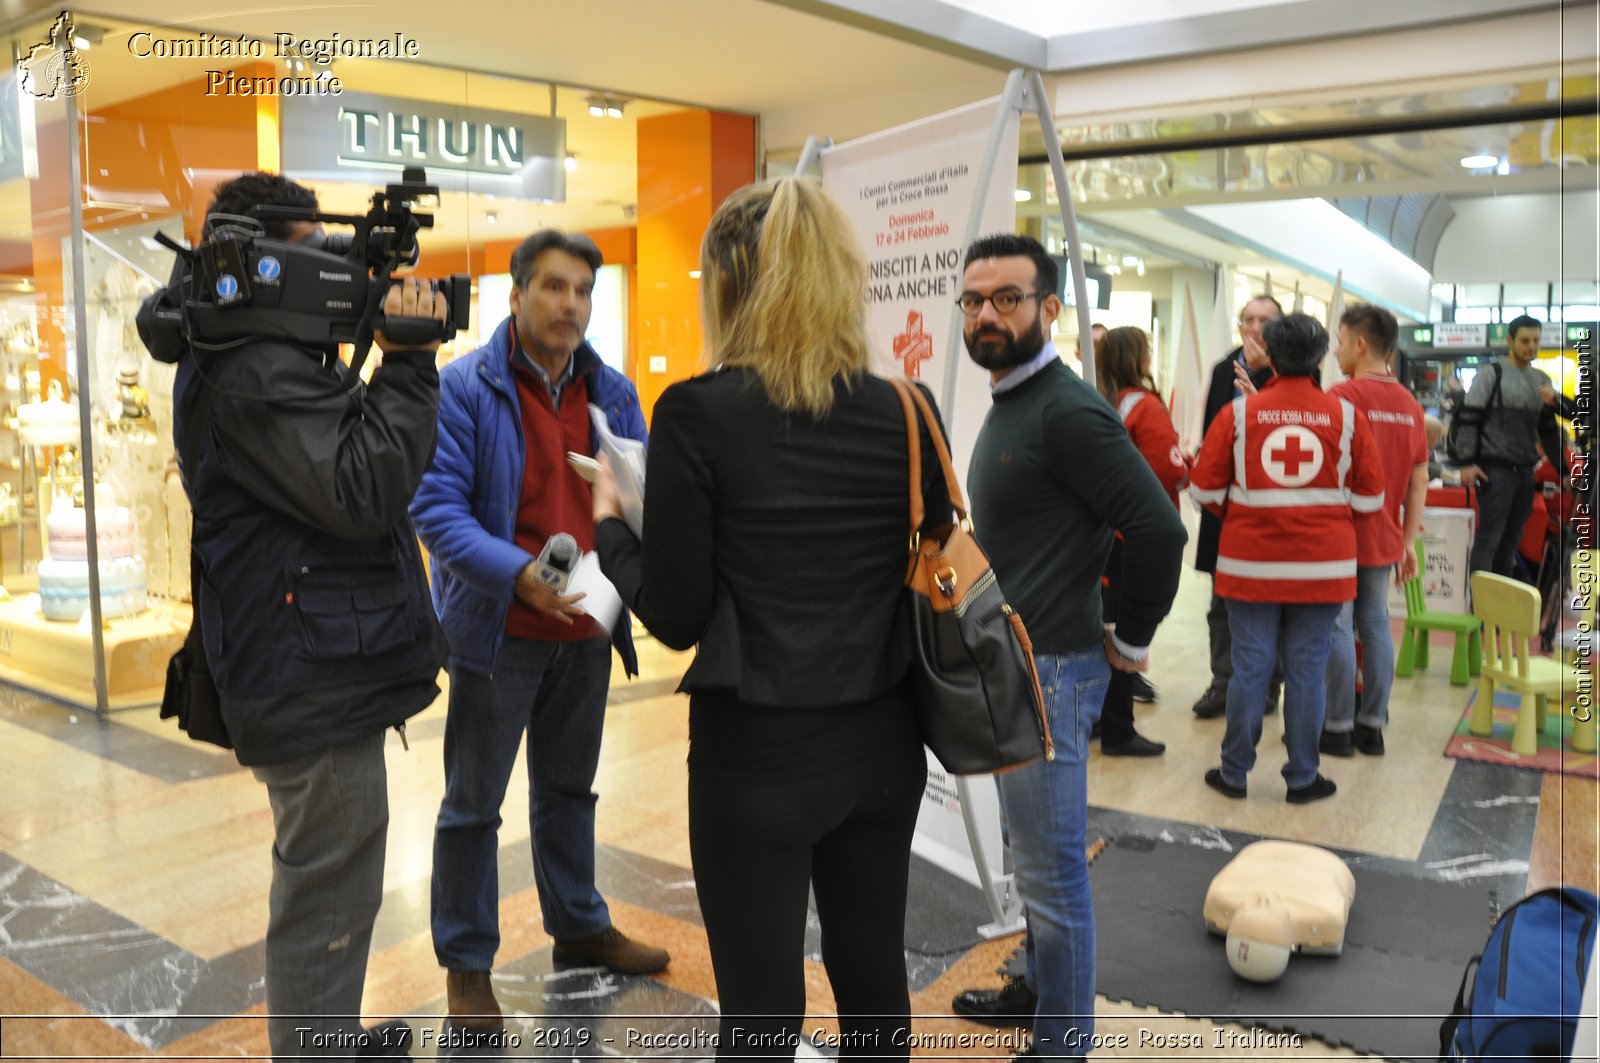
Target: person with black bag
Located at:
point(775, 542)
point(1494, 439)
point(1053, 477)
point(312, 618)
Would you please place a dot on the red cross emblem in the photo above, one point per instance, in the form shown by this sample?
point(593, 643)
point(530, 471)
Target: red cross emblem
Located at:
point(913, 346)
point(1292, 456)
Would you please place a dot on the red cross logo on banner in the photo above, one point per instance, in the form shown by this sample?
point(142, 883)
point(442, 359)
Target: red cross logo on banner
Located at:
point(913, 346)
point(1292, 456)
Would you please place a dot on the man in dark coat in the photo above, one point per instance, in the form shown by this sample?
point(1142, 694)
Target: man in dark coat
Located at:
point(1247, 359)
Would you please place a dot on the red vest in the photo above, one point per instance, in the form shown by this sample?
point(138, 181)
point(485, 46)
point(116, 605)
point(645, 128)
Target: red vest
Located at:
point(1286, 469)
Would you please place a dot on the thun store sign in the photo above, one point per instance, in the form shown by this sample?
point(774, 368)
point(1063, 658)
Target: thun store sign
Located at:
point(364, 138)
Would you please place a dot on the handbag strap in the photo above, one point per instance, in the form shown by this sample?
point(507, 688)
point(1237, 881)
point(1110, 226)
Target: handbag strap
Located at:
point(909, 395)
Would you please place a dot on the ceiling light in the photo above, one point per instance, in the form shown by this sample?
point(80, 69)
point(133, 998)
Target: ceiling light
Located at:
point(571, 163)
point(1023, 195)
point(491, 217)
point(603, 106)
point(694, 274)
point(1131, 260)
point(1480, 162)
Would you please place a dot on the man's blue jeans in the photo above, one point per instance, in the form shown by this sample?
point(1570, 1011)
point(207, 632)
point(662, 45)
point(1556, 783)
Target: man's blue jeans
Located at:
point(1306, 632)
point(556, 691)
point(1045, 806)
point(1367, 616)
point(1504, 501)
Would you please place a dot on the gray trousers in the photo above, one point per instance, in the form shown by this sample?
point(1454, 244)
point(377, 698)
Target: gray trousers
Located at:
point(331, 815)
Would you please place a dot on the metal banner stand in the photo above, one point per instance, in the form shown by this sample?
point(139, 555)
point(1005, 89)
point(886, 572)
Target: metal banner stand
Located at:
point(1024, 93)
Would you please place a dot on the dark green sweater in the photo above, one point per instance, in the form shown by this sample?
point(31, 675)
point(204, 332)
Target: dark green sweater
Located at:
point(1053, 473)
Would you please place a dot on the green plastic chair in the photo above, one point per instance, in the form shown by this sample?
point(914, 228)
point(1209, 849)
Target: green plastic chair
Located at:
point(1413, 652)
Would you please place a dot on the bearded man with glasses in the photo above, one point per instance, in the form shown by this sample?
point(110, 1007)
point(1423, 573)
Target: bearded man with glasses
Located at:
point(1053, 477)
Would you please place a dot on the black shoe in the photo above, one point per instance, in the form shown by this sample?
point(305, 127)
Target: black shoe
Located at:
point(1213, 703)
point(1315, 790)
point(1336, 744)
point(1222, 786)
point(1144, 691)
point(1013, 1004)
point(1274, 695)
point(1137, 746)
point(387, 1040)
point(1369, 740)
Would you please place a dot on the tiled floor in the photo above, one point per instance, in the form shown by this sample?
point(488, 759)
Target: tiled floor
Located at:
point(134, 869)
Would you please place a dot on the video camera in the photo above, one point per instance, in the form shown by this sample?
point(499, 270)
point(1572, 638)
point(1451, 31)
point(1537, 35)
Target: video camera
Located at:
point(239, 285)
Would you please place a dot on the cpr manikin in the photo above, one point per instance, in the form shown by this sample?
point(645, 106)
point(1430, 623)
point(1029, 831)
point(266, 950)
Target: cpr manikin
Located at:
point(1278, 898)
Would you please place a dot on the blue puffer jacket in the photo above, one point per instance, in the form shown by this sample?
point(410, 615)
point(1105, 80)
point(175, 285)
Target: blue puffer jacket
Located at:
point(466, 509)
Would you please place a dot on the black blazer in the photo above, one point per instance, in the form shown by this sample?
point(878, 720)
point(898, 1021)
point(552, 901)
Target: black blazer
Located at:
point(776, 543)
point(1222, 390)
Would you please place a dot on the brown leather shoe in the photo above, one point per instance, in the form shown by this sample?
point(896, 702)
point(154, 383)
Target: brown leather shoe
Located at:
point(471, 1002)
point(612, 949)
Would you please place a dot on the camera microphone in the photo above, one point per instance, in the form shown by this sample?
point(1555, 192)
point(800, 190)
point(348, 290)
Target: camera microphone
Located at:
point(557, 561)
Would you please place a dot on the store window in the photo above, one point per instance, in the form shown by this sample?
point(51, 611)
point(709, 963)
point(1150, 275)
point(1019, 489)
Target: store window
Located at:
point(87, 436)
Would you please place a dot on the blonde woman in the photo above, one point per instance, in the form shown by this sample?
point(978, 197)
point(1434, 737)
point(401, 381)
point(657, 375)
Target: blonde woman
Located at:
point(775, 534)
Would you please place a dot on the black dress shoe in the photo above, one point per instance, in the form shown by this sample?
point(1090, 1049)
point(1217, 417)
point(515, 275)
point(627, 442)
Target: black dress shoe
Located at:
point(1213, 703)
point(1336, 744)
point(1222, 786)
point(1011, 1005)
point(1369, 740)
point(1315, 790)
point(1144, 691)
point(1137, 746)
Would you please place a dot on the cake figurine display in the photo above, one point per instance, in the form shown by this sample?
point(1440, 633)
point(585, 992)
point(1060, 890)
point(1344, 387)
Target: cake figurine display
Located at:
point(1276, 899)
point(50, 423)
point(64, 575)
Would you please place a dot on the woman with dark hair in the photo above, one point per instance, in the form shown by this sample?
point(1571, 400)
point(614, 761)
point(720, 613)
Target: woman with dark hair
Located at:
point(1122, 364)
point(776, 524)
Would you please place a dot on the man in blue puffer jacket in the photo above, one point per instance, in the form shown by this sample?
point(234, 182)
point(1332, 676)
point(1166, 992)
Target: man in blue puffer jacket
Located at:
point(521, 656)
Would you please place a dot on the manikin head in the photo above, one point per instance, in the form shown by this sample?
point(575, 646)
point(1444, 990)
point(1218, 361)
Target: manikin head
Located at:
point(1261, 940)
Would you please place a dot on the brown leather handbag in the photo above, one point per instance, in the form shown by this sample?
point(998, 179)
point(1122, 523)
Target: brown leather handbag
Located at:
point(976, 688)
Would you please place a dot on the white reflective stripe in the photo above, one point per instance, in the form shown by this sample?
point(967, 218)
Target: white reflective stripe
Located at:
point(1287, 570)
point(1366, 503)
point(1238, 440)
point(1280, 497)
point(1347, 432)
point(1127, 404)
point(1204, 497)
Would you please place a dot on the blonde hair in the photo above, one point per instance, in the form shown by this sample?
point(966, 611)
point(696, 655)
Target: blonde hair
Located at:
point(783, 291)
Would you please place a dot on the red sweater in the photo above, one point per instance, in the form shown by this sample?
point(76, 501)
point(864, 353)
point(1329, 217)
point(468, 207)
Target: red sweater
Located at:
point(1285, 470)
point(554, 497)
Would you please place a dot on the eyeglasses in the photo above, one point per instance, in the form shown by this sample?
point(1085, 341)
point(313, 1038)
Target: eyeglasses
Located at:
point(1005, 300)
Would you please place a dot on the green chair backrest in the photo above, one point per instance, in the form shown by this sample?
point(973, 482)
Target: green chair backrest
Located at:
point(1415, 603)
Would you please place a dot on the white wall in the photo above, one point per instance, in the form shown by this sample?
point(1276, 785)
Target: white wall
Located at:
point(1508, 239)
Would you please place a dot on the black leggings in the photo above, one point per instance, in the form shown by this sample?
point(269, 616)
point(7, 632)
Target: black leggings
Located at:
point(780, 798)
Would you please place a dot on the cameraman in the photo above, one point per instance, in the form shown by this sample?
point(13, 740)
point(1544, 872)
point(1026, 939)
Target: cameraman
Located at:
point(315, 618)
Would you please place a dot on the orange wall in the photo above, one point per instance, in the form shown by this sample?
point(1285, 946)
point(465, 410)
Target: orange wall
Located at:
point(688, 163)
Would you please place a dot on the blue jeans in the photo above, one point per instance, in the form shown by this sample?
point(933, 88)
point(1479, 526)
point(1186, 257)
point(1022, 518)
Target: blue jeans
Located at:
point(1306, 633)
point(1368, 615)
point(556, 692)
point(1045, 808)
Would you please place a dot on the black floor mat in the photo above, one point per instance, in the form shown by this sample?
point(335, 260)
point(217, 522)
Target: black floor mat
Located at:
point(1407, 942)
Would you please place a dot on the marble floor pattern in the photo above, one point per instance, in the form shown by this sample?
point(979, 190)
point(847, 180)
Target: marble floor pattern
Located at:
point(134, 869)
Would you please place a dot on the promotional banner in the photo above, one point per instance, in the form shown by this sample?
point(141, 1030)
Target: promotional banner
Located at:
point(910, 192)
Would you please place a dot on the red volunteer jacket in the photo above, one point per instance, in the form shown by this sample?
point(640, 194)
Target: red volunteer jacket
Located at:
point(1285, 470)
point(1149, 425)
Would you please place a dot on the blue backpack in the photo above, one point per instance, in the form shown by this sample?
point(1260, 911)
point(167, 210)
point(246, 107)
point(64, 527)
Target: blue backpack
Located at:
point(1521, 997)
